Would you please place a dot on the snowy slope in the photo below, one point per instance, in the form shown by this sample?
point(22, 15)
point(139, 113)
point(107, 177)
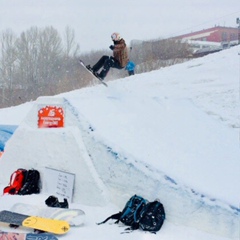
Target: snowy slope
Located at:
point(192, 108)
point(172, 134)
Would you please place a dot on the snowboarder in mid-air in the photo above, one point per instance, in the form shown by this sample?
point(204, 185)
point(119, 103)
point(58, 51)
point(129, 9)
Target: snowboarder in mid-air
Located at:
point(119, 59)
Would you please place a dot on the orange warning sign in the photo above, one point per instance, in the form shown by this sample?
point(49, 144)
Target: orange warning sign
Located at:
point(51, 117)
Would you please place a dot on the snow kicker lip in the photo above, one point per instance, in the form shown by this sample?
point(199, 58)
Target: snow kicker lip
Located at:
point(183, 205)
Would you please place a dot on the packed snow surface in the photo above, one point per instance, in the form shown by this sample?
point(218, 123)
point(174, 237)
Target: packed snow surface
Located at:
point(171, 134)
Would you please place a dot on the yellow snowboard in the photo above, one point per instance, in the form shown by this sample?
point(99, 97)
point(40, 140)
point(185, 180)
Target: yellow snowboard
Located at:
point(39, 223)
point(46, 224)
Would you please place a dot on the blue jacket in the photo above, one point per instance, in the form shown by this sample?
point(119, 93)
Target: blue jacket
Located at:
point(130, 66)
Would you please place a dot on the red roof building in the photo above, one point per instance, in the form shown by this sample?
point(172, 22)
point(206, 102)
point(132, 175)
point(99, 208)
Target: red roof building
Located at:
point(215, 34)
point(211, 40)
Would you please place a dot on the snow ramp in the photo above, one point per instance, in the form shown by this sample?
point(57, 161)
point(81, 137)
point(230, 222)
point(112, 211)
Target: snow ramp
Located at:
point(59, 148)
point(125, 176)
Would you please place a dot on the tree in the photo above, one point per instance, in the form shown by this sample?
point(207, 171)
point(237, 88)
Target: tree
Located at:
point(8, 56)
point(50, 52)
point(38, 51)
point(28, 52)
point(71, 48)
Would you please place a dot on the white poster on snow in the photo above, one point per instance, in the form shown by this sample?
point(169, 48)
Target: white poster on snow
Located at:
point(59, 183)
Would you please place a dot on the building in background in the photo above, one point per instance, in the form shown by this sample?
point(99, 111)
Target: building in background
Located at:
point(211, 39)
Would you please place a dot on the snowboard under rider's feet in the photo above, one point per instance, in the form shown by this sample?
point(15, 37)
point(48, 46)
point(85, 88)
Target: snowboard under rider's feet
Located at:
point(95, 73)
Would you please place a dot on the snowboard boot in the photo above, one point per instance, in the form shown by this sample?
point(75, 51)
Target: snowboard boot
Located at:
point(93, 71)
point(89, 68)
point(98, 76)
point(102, 74)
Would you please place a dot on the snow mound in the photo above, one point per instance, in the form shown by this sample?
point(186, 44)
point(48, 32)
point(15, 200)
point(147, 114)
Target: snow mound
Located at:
point(57, 148)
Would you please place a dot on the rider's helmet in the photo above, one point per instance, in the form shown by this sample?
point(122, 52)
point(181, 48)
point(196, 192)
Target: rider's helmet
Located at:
point(116, 37)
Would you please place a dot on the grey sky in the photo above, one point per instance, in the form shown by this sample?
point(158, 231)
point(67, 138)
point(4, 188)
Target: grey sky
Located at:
point(94, 20)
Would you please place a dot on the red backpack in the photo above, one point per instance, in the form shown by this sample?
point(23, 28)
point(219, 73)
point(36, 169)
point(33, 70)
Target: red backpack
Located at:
point(16, 182)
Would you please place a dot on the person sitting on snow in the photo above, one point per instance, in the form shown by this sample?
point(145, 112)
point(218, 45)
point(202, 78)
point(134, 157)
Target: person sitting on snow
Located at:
point(119, 59)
